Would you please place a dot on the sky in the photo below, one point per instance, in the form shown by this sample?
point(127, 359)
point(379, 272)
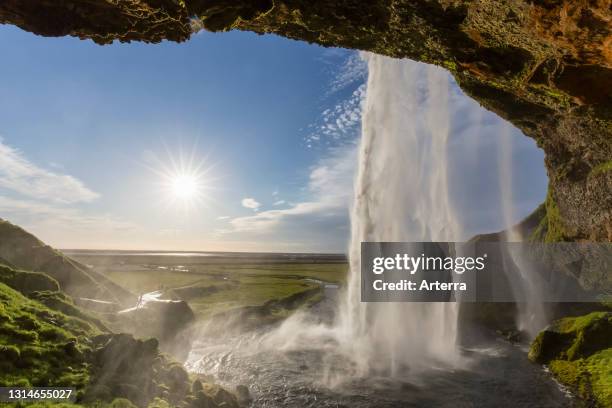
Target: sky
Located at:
point(98, 142)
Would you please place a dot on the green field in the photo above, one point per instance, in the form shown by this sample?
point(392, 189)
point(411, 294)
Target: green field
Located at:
point(214, 288)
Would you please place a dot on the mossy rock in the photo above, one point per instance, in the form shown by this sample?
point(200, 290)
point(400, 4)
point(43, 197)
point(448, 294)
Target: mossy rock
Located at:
point(27, 282)
point(121, 403)
point(40, 346)
point(221, 396)
point(578, 352)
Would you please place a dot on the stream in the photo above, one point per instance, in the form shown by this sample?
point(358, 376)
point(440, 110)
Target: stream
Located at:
point(316, 374)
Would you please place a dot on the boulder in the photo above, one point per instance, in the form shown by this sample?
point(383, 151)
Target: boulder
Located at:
point(243, 395)
point(578, 352)
point(167, 320)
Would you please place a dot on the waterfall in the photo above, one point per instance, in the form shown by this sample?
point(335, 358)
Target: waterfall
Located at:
point(401, 194)
point(532, 312)
point(407, 167)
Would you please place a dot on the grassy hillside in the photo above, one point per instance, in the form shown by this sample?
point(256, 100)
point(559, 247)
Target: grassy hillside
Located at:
point(40, 346)
point(47, 341)
point(23, 250)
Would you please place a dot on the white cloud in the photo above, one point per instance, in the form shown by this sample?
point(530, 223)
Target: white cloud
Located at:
point(353, 70)
point(69, 217)
point(68, 227)
point(24, 177)
point(223, 217)
point(250, 203)
point(340, 123)
point(319, 223)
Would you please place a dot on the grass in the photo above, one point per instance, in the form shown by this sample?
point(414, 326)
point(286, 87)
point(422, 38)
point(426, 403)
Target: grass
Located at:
point(215, 288)
point(142, 281)
point(43, 347)
point(40, 346)
point(249, 291)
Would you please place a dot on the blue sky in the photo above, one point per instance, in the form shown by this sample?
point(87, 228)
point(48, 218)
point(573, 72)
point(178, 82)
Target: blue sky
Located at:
point(86, 131)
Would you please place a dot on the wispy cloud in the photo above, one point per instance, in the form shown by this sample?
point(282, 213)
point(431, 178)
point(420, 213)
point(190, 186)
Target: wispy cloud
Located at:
point(46, 203)
point(26, 178)
point(353, 70)
point(223, 217)
point(41, 214)
point(342, 120)
point(319, 223)
point(250, 203)
point(69, 227)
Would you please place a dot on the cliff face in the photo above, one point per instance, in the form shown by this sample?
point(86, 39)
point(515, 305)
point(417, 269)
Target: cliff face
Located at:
point(544, 65)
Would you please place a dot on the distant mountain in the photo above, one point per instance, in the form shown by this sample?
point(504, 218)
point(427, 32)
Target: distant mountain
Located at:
point(22, 250)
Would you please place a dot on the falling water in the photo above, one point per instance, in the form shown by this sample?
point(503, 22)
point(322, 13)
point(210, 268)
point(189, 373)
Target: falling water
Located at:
point(401, 194)
point(532, 313)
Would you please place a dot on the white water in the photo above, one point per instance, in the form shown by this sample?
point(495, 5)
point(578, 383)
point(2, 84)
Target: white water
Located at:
point(532, 314)
point(401, 194)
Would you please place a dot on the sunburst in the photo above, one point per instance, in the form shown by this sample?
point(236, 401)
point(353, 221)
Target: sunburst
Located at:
point(185, 180)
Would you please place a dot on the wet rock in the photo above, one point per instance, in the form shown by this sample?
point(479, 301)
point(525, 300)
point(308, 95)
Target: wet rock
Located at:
point(166, 320)
point(125, 367)
point(513, 336)
point(243, 395)
point(202, 400)
point(196, 386)
point(221, 396)
point(71, 348)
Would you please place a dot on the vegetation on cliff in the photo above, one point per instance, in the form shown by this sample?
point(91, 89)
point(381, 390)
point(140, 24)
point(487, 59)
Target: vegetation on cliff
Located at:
point(23, 250)
point(45, 340)
point(578, 351)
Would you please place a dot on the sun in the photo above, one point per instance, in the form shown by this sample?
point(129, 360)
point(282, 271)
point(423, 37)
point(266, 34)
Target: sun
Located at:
point(184, 186)
point(184, 181)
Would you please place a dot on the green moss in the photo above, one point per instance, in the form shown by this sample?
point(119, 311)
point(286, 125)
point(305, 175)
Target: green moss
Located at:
point(35, 342)
point(63, 303)
point(27, 282)
point(450, 65)
point(601, 168)
point(578, 352)
point(40, 346)
point(121, 403)
point(159, 403)
point(551, 227)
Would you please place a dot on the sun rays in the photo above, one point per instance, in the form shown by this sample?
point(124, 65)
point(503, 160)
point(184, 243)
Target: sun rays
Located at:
point(184, 179)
